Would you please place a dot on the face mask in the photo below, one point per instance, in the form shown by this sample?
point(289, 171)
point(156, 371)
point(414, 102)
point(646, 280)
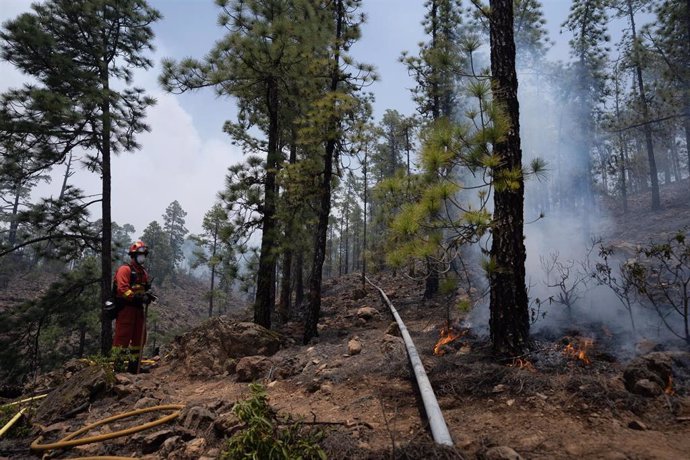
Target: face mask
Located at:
point(141, 258)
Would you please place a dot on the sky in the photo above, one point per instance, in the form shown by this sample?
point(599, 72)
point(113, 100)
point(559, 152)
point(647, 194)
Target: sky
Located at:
point(186, 154)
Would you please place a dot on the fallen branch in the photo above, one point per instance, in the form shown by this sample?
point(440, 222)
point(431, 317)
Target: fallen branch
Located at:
point(346, 424)
point(682, 419)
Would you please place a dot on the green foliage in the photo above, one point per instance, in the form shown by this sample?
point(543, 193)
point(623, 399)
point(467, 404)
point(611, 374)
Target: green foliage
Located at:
point(216, 251)
point(21, 428)
point(43, 333)
point(267, 436)
point(160, 261)
point(464, 304)
point(448, 285)
point(117, 361)
point(173, 226)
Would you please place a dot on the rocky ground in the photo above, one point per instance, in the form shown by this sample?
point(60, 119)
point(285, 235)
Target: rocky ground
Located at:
point(571, 398)
point(354, 383)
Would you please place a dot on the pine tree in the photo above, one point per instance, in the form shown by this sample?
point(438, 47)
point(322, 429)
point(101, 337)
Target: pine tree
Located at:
point(216, 252)
point(173, 225)
point(79, 48)
point(326, 123)
point(670, 37)
point(160, 261)
point(259, 62)
point(627, 9)
point(509, 320)
point(588, 23)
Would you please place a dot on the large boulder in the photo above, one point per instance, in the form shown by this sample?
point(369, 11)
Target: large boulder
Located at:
point(83, 387)
point(651, 374)
point(214, 347)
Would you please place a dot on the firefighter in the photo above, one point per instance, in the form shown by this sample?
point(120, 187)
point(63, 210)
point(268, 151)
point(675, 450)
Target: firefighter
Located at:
point(131, 290)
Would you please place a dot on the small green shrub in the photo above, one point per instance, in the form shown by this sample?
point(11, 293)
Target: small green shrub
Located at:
point(268, 437)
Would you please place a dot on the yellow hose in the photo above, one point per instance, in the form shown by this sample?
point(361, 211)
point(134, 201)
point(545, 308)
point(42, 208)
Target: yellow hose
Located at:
point(14, 403)
point(67, 441)
point(12, 421)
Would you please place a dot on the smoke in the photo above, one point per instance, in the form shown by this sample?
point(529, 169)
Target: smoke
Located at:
point(562, 233)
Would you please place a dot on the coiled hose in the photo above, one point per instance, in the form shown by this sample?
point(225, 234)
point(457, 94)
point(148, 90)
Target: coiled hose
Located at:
point(69, 441)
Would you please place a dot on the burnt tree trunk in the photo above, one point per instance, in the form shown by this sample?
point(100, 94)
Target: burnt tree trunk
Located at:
point(509, 313)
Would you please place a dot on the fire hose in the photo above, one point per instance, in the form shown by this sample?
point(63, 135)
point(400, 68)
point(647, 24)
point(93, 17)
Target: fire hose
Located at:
point(437, 424)
point(18, 415)
point(69, 441)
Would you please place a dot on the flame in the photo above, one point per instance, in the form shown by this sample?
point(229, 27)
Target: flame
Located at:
point(447, 336)
point(669, 387)
point(581, 353)
point(523, 364)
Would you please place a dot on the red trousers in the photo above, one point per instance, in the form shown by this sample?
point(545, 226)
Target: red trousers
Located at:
point(129, 329)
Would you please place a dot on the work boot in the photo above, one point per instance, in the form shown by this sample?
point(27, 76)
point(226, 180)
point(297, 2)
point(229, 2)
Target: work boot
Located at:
point(132, 367)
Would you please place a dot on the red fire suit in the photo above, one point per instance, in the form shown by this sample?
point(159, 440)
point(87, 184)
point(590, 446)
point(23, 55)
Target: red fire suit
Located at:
point(130, 323)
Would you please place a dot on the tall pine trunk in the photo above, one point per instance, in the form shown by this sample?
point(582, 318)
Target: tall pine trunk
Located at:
point(265, 285)
point(656, 202)
point(213, 269)
point(324, 209)
point(106, 256)
point(509, 320)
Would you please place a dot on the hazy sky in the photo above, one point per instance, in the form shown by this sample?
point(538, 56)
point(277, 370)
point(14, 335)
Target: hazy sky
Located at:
point(186, 154)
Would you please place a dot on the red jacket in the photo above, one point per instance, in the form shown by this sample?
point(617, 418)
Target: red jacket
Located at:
point(123, 280)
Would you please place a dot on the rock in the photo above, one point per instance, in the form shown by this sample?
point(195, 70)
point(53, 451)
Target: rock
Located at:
point(327, 389)
point(501, 453)
point(198, 419)
point(500, 388)
point(645, 387)
point(84, 386)
point(208, 349)
point(393, 347)
point(251, 368)
point(393, 329)
point(367, 313)
point(657, 367)
point(122, 379)
point(195, 448)
point(152, 442)
point(227, 424)
point(169, 445)
point(123, 391)
point(146, 402)
point(354, 347)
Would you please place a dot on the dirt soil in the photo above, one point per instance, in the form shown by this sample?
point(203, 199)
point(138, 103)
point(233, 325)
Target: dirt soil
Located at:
point(551, 405)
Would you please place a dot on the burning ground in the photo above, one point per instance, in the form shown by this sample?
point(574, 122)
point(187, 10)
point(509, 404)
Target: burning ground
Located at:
point(569, 398)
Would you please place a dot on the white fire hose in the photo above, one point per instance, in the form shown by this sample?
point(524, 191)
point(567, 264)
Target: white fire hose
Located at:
point(439, 429)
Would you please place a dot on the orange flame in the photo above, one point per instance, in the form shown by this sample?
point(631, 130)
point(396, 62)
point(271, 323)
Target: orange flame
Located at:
point(523, 364)
point(447, 336)
point(580, 354)
point(669, 387)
